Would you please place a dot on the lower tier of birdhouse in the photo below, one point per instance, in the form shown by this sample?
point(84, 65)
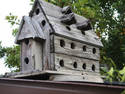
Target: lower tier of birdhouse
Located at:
point(55, 76)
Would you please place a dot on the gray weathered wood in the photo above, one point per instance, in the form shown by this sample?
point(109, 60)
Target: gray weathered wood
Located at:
point(68, 19)
point(68, 64)
point(33, 51)
point(77, 35)
point(45, 29)
point(37, 54)
point(52, 52)
point(86, 78)
point(53, 13)
point(26, 52)
point(66, 10)
point(84, 26)
point(29, 29)
point(77, 51)
point(46, 48)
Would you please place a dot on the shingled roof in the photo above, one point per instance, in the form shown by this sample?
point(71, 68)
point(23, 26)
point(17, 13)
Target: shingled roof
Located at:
point(54, 13)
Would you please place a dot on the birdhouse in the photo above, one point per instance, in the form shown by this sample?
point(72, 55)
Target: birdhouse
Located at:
point(58, 40)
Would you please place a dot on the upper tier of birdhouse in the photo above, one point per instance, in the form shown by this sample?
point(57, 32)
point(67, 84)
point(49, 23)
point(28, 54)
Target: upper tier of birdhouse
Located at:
point(63, 22)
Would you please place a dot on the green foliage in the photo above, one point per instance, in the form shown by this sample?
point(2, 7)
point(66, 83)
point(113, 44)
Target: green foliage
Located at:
point(2, 51)
point(11, 56)
point(13, 20)
point(114, 75)
point(31, 2)
point(123, 92)
point(110, 26)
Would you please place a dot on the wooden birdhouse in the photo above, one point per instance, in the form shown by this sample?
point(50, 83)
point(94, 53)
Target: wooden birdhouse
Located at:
point(58, 40)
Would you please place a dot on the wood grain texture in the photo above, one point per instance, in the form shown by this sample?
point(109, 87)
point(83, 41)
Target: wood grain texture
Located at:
point(37, 54)
point(53, 14)
point(55, 11)
point(46, 53)
point(52, 54)
point(51, 9)
point(77, 51)
point(69, 61)
point(86, 78)
point(26, 52)
point(30, 29)
point(60, 29)
point(46, 48)
point(33, 51)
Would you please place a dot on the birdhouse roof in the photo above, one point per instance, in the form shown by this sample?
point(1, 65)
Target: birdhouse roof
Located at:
point(54, 14)
point(29, 28)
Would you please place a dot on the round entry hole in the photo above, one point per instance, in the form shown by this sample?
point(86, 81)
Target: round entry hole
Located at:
point(62, 43)
point(37, 11)
point(61, 63)
point(94, 50)
point(84, 66)
point(26, 60)
point(93, 67)
point(84, 48)
point(72, 45)
point(75, 65)
point(43, 23)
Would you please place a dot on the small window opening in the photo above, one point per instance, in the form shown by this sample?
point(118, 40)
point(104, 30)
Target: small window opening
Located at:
point(93, 67)
point(26, 60)
point(61, 63)
point(62, 43)
point(94, 50)
point(43, 23)
point(27, 41)
point(84, 66)
point(37, 11)
point(75, 65)
point(84, 48)
point(72, 45)
point(67, 27)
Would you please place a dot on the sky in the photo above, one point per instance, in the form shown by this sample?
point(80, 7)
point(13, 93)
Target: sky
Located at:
point(18, 8)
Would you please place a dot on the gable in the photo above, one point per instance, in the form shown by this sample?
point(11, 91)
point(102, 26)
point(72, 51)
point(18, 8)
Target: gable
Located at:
point(29, 28)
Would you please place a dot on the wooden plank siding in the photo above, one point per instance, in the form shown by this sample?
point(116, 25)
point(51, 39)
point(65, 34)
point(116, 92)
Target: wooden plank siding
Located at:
point(77, 50)
point(32, 55)
point(69, 64)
